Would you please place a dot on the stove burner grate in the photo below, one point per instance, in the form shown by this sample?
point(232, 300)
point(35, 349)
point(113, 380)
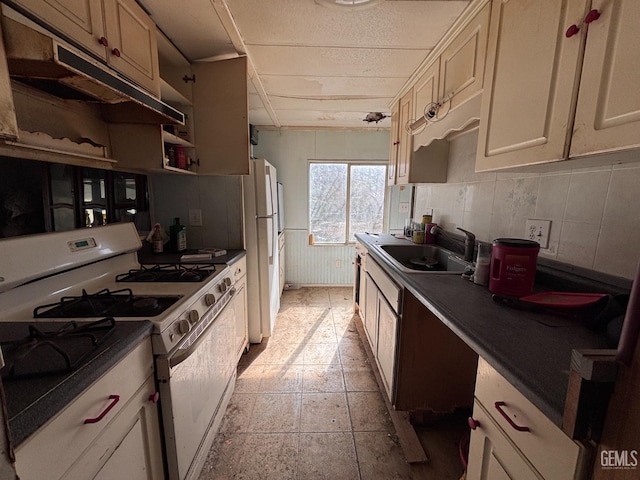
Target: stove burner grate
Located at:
point(168, 273)
point(106, 303)
point(53, 352)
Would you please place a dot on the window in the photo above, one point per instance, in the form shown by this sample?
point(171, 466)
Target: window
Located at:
point(345, 199)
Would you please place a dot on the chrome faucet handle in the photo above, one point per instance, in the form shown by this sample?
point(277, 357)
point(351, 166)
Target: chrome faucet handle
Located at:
point(470, 236)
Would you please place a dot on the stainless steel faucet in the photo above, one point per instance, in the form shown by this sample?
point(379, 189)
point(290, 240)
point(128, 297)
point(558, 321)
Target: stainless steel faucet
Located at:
point(469, 241)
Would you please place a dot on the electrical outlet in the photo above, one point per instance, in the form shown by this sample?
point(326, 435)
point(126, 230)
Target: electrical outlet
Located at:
point(195, 217)
point(404, 207)
point(337, 263)
point(538, 231)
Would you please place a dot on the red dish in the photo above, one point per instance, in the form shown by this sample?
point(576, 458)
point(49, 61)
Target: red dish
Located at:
point(563, 299)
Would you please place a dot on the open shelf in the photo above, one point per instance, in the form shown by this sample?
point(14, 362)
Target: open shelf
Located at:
point(175, 140)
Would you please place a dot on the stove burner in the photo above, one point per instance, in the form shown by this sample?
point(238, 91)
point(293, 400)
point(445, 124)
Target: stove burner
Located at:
point(146, 304)
point(168, 273)
point(117, 303)
point(57, 351)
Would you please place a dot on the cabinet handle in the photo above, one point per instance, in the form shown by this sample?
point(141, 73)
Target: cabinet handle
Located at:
point(473, 423)
point(498, 406)
point(154, 397)
point(103, 41)
point(571, 31)
point(592, 16)
point(116, 52)
point(396, 143)
point(115, 398)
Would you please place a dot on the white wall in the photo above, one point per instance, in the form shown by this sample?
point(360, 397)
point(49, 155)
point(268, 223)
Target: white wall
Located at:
point(594, 212)
point(289, 151)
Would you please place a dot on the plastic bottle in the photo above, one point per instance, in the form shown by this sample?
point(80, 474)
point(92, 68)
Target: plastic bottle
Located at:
point(156, 240)
point(178, 236)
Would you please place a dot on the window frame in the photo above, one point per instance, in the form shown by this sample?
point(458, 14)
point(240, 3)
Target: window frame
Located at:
point(349, 164)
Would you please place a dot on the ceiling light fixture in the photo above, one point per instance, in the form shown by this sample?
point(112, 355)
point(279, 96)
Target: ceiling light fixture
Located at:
point(353, 4)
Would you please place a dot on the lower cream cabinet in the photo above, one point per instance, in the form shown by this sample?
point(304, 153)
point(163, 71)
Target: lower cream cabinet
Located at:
point(381, 321)
point(512, 439)
point(125, 443)
point(239, 270)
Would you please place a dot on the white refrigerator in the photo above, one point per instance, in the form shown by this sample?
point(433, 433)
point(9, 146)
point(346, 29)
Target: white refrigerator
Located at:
point(261, 244)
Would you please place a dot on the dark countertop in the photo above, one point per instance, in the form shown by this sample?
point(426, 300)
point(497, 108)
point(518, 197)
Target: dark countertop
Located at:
point(147, 257)
point(531, 350)
point(32, 402)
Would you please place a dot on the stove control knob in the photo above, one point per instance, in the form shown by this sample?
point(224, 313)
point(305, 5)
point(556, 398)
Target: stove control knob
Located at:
point(209, 299)
point(193, 316)
point(184, 326)
point(222, 287)
point(227, 281)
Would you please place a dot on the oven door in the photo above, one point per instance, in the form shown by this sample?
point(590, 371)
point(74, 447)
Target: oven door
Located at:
point(193, 383)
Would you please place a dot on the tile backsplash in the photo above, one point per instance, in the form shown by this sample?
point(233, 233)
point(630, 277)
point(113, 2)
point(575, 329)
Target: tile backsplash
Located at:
point(594, 212)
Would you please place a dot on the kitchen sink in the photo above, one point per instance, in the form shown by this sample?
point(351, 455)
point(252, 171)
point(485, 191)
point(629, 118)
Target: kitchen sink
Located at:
point(415, 258)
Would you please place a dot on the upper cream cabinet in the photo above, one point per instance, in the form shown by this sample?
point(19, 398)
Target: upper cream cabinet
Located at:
point(608, 110)
point(448, 92)
point(394, 142)
point(403, 161)
point(221, 109)
point(425, 165)
point(166, 148)
point(532, 73)
point(117, 31)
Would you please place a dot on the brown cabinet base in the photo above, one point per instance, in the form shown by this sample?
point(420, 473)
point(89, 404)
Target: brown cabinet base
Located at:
point(435, 369)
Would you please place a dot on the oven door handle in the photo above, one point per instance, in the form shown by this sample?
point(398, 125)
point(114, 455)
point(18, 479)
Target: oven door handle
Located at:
point(181, 355)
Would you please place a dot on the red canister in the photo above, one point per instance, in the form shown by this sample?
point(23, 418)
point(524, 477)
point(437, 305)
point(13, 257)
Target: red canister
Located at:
point(513, 266)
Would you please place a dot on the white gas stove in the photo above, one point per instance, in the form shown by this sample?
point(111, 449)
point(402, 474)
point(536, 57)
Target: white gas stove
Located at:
point(90, 274)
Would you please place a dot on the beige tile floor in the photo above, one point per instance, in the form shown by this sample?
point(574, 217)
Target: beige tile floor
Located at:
point(306, 403)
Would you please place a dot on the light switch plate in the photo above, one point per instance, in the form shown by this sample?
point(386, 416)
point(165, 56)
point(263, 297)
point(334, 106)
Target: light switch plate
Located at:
point(195, 217)
point(538, 231)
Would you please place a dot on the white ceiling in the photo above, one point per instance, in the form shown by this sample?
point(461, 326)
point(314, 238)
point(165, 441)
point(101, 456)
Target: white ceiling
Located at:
point(311, 65)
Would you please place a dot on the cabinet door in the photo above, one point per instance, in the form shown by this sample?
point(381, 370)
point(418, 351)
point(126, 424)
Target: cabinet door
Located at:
point(8, 122)
point(426, 89)
point(133, 47)
point(462, 62)
point(404, 147)
point(370, 311)
point(240, 311)
point(129, 448)
point(492, 456)
point(529, 82)
point(386, 352)
point(608, 110)
point(81, 21)
point(394, 143)
point(221, 102)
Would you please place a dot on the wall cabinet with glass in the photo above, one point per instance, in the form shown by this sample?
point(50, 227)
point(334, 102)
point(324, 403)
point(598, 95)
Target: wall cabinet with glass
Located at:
point(77, 197)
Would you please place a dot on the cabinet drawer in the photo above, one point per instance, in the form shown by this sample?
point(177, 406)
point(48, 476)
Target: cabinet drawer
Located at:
point(492, 456)
point(388, 288)
point(50, 451)
point(554, 454)
point(239, 268)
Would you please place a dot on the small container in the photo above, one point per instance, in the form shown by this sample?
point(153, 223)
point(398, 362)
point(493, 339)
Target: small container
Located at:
point(513, 266)
point(178, 236)
point(157, 241)
point(483, 264)
point(408, 228)
point(418, 236)
point(181, 158)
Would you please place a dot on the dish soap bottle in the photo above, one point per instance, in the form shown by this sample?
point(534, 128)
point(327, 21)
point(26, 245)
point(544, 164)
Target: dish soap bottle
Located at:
point(156, 240)
point(178, 236)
